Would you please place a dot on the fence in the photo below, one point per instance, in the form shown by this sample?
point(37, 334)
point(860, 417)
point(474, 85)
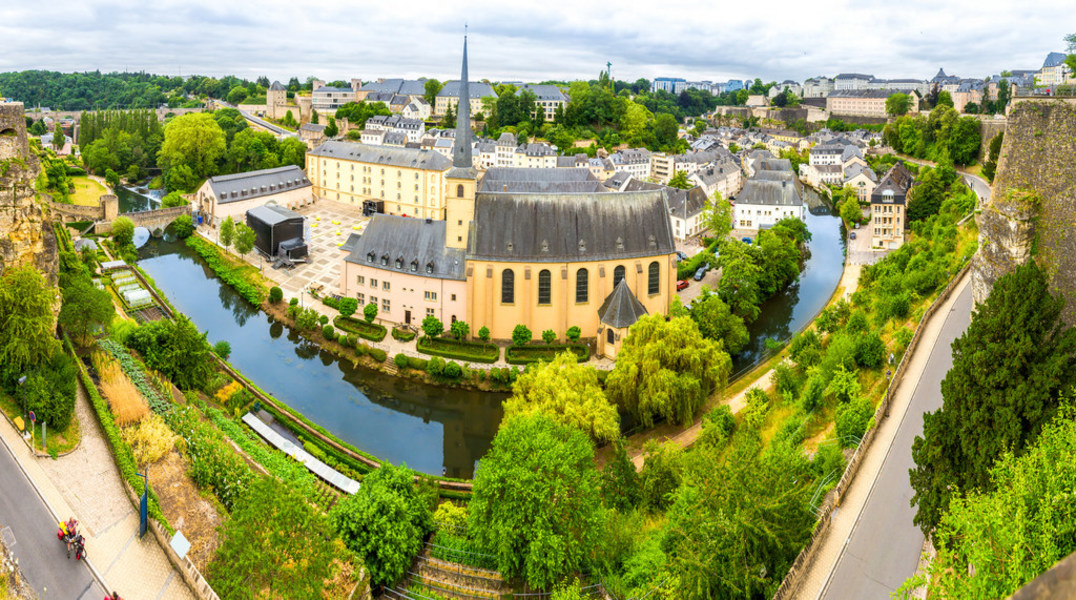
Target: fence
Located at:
point(806, 556)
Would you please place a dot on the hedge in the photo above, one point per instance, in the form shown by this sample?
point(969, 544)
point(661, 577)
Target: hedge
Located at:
point(468, 351)
point(522, 355)
point(370, 331)
point(121, 452)
point(403, 335)
point(255, 293)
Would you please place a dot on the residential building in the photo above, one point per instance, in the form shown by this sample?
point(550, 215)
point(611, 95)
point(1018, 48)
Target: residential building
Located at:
point(673, 85)
point(822, 175)
point(1054, 71)
point(762, 203)
point(327, 99)
point(548, 98)
point(888, 202)
point(412, 128)
point(723, 177)
point(862, 179)
point(449, 96)
point(786, 86)
point(817, 87)
point(634, 161)
point(865, 103)
point(226, 196)
point(312, 133)
point(664, 166)
point(538, 155)
point(967, 91)
point(506, 150)
point(851, 81)
point(418, 109)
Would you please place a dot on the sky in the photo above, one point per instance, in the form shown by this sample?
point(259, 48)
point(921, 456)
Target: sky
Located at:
point(526, 40)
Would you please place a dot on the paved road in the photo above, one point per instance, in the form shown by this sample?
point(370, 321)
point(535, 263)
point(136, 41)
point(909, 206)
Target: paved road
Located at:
point(42, 557)
point(884, 546)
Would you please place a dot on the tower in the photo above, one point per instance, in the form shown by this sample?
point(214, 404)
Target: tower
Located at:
point(462, 179)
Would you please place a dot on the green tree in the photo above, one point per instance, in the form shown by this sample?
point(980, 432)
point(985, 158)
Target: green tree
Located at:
point(193, 140)
point(1009, 369)
point(679, 180)
point(26, 320)
point(183, 226)
point(275, 543)
point(944, 99)
point(716, 322)
point(737, 523)
point(49, 390)
point(483, 334)
point(58, 137)
point(532, 460)
point(568, 392)
point(331, 130)
point(244, 238)
point(851, 212)
point(620, 485)
point(717, 216)
point(84, 307)
point(122, 231)
point(661, 474)
point(112, 178)
point(521, 335)
point(222, 349)
point(898, 105)
point(385, 521)
point(432, 326)
point(432, 88)
point(173, 199)
point(314, 117)
point(667, 369)
point(665, 130)
point(177, 349)
point(369, 312)
point(459, 329)
point(347, 306)
point(549, 336)
point(227, 232)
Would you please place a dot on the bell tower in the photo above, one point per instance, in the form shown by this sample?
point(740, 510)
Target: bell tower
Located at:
point(461, 181)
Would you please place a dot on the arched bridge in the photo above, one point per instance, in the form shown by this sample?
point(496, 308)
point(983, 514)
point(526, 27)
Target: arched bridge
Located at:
point(156, 220)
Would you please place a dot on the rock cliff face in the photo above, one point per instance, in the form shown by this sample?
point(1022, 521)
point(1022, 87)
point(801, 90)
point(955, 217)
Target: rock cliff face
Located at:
point(1032, 213)
point(26, 237)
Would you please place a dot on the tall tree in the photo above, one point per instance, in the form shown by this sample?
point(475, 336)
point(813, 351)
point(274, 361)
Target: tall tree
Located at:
point(569, 393)
point(898, 105)
point(432, 88)
point(194, 140)
point(716, 322)
point(666, 369)
point(717, 216)
point(536, 504)
point(84, 306)
point(26, 320)
point(58, 137)
point(227, 232)
point(244, 239)
point(1009, 369)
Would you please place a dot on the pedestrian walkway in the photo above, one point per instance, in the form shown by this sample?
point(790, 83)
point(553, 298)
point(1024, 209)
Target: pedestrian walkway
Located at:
point(843, 519)
point(86, 484)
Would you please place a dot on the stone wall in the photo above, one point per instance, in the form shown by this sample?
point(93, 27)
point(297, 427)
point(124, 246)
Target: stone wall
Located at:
point(25, 236)
point(1033, 208)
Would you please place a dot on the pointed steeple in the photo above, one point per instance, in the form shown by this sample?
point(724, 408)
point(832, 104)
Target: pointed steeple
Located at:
point(461, 148)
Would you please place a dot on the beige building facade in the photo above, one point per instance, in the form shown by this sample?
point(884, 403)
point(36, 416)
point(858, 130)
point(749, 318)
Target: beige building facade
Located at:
point(226, 196)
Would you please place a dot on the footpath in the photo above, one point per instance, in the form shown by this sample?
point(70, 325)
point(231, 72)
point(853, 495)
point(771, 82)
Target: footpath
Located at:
point(86, 484)
point(843, 520)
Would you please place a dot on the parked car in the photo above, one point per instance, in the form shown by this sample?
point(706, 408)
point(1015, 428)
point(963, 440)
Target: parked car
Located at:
point(700, 273)
point(681, 285)
point(852, 235)
point(680, 255)
point(746, 240)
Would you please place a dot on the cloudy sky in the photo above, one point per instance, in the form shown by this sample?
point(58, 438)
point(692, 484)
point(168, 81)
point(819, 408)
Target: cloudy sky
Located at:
point(533, 40)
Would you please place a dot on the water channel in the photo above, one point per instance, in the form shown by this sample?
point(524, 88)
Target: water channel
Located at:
point(132, 201)
point(434, 430)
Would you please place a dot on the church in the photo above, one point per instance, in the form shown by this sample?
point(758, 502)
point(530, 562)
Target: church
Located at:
point(542, 254)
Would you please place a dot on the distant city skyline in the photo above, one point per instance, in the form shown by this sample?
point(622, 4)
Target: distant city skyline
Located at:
point(532, 41)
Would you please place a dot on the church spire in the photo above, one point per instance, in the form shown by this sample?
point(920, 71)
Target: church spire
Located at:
point(461, 148)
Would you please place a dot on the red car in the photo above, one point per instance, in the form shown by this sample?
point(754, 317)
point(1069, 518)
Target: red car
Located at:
point(681, 285)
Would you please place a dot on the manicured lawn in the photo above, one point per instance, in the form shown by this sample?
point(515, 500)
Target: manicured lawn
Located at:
point(87, 191)
point(450, 348)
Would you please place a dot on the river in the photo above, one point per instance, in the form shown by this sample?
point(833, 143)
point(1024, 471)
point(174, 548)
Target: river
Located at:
point(793, 309)
point(432, 429)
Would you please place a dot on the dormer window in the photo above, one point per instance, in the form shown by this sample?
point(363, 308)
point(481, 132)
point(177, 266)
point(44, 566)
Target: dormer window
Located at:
point(510, 246)
point(414, 266)
point(370, 257)
point(652, 242)
point(582, 246)
point(545, 245)
point(429, 268)
point(384, 260)
point(399, 263)
point(619, 243)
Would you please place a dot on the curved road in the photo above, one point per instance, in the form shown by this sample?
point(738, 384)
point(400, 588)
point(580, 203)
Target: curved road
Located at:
point(884, 547)
point(42, 557)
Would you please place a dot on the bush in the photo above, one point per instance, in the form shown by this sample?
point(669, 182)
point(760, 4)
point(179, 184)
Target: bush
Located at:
point(364, 329)
point(400, 360)
point(293, 311)
point(870, 350)
point(307, 319)
point(813, 392)
point(150, 440)
point(328, 333)
point(369, 312)
point(483, 334)
point(347, 306)
point(452, 370)
point(323, 320)
point(122, 231)
point(573, 334)
point(183, 226)
point(432, 326)
point(717, 426)
point(293, 302)
point(417, 363)
point(521, 335)
point(549, 336)
point(852, 420)
point(523, 355)
point(403, 335)
point(276, 295)
point(377, 354)
point(435, 366)
point(222, 349)
point(235, 276)
point(49, 391)
point(467, 351)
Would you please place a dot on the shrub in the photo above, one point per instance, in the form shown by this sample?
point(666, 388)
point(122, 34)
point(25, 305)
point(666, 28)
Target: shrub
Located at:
point(459, 329)
point(435, 366)
point(352, 340)
point(400, 360)
point(870, 350)
point(364, 329)
point(377, 354)
point(323, 320)
point(369, 312)
point(122, 231)
point(717, 426)
point(183, 226)
point(222, 349)
point(785, 380)
point(521, 335)
point(276, 295)
point(293, 311)
point(483, 334)
point(452, 370)
point(293, 302)
point(451, 518)
point(523, 355)
point(149, 440)
point(239, 276)
point(549, 336)
point(432, 326)
point(328, 333)
point(347, 306)
point(573, 333)
point(403, 335)
point(307, 319)
point(857, 322)
point(852, 419)
point(813, 392)
point(467, 351)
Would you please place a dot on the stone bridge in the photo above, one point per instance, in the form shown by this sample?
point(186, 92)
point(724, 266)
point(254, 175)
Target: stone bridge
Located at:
point(156, 220)
point(106, 210)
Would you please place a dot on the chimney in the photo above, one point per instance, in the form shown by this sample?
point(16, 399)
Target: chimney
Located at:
point(429, 220)
point(505, 187)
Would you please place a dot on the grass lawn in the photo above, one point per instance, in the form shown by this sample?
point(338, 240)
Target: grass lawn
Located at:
point(87, 191)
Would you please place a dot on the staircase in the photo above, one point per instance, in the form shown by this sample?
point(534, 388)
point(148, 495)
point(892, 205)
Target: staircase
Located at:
point(433, 579)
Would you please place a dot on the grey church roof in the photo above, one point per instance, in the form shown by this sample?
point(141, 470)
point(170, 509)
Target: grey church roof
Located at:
point(244, 186)
point(621, 308)
point(539, 181)
point(570, 227)
point(476, 90)
point(404, 245)
point(543, 92)
point(1053, 59)
point(383, 155)
point(277, 86)
point(682, 204)
point(769, 193)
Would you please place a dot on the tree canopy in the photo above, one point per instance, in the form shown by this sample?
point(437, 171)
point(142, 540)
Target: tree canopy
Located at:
point(26, 320)
point(1009, 369)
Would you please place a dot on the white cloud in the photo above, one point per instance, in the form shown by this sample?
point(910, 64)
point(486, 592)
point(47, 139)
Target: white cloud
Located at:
point(532, 40)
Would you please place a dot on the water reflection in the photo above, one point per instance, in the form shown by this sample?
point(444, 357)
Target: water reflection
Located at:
point(432, 429)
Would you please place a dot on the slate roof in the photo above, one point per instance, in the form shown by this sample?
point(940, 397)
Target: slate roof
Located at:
point(630, 156)
point(854, 76)
point(315, 127)
point(349, 244)
point(869, 93)
point(544, 92)
point(383, 155)
point(539, 181)
point(621, 308)
point(476, 90)
point(277, 86)
point(855, 169)
point(408, 241)
point(897, 180)
point(1054, 59)
point(716, 172)
point(570, 227)
point(769, 193)
point(683, 204)
point(254, 184)
point(774, 164)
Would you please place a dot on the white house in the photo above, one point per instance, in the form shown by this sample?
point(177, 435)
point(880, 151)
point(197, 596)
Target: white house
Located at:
point(762, 203)
point(633, 161)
